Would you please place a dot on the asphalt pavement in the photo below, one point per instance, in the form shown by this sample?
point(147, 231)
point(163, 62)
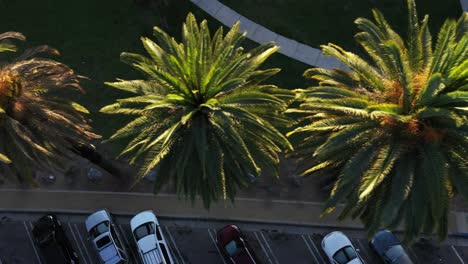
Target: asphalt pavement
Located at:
point(193, 241)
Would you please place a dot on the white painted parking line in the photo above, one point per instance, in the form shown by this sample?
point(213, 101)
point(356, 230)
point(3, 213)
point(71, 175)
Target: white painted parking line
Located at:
point(316, 249)
point(173, 243)
point(368, 258)
point(82, 243)
point(310, 249)
point(269, 248)
point(129, 246)
point(216, 246)
point(32, 243)
point(263, 248)
point(77, 244)
point(458, 255)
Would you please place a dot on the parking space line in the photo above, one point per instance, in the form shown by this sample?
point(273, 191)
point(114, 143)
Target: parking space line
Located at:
point(82, 243)
point(129, 246)
point(216, 246)
point(316, 249)
point(76, 241)
point(363, 249)
point(269, 248)
point(310, 249)
point(175, 245)
point(32, 243)
point(456, 253)
point(263, 248)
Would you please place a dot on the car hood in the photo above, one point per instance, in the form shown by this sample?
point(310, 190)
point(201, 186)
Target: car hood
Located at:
point(147, 243)
point(96, 218)
point(334, 242)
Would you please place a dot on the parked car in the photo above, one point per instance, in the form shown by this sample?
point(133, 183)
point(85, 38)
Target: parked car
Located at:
point(105, 238)
point(340, 250)
point(389, 248)
point(150, 240)
point(54, 245)
point(234, 247)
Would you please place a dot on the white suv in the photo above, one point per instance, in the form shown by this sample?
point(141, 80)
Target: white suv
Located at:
point(105, 238)
point(149, 238)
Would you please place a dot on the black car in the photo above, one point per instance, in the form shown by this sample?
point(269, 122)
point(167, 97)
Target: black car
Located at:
point(53, 244)
point(389, 248)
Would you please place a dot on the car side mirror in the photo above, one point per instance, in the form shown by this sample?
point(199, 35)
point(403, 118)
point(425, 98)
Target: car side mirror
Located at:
point(357, 249)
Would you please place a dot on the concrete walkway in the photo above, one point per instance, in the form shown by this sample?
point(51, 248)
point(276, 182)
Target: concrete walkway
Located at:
point(260, 34)
point(244, 209)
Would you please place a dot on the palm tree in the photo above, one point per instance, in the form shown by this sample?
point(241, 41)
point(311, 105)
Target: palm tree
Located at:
point(38, 127)
point(201, 117)
point(393, 127)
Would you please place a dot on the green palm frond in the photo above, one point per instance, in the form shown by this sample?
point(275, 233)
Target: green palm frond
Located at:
point(406, 100)
point(202, 116)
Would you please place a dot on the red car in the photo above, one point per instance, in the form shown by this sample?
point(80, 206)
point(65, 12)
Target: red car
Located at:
point(234, 247)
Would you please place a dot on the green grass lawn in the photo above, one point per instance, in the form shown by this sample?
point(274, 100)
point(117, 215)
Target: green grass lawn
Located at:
point(91, 34)
point(317, 22)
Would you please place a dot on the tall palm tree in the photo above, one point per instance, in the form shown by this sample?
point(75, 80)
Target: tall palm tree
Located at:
point(202, 116)
point(393, 127)
point(38, 127)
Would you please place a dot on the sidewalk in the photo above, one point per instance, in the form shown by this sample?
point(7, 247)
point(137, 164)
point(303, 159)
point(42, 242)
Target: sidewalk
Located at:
point(260, 34)
point(244, 209)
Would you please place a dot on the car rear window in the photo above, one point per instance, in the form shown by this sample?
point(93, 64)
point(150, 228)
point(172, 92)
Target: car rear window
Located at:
point(103, 241)
point(231, 248)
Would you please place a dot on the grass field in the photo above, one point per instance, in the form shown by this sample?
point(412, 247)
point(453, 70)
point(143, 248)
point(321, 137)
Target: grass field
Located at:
point(91, 34)
point(317, 22)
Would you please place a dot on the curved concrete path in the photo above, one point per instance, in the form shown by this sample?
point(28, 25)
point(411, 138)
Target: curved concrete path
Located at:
point(260, 34)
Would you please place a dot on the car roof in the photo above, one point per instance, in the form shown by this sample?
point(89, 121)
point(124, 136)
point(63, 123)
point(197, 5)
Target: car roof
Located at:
point(96, 218)
point(142, 218)
point(384, 239)
point(334, 242)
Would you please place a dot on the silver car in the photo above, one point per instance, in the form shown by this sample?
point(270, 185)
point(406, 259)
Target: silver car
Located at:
point(105, 238)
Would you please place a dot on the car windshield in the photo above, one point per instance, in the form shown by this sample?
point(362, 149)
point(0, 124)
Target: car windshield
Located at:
point(394, 252)
point(231, 248)
point(99, 229)
point(344, 255)
point(144, 230)
point(103, 241)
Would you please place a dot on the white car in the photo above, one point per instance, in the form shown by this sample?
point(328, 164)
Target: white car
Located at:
point(340, 250)
point(149, 238)
point(105, 238)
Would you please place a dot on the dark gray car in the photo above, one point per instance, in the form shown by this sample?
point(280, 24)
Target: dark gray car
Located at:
point(389, 248)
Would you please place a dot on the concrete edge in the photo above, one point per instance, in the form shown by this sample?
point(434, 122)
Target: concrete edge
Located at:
point(212, 219)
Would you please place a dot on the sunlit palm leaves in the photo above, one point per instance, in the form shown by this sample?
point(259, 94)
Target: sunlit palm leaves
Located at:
point(202, 116)
point(394, 127)
point(37, 126)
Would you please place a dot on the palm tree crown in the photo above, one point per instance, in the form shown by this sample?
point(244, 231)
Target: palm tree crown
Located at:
point(394, 127)
point(38, 128)
point(202, 116)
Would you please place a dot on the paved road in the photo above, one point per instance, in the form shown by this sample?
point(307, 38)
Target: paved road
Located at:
point(193, 242)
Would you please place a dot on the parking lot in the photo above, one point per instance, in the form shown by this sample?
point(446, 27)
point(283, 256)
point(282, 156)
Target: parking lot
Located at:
point(194, 242)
